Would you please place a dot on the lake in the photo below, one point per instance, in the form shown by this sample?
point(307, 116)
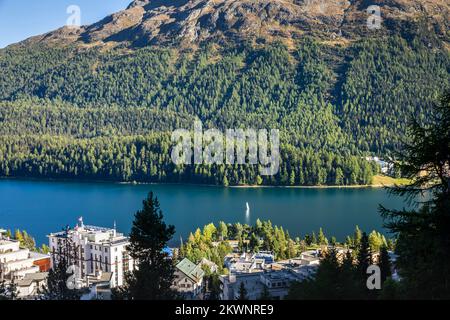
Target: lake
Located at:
point(43, 207)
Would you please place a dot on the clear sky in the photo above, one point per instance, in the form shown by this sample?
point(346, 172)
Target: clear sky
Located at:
point(20, 19)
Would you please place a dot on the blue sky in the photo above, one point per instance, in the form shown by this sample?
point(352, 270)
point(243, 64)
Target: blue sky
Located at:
point(22, 19)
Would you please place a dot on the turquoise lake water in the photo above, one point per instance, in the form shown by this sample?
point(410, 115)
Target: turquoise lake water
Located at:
point(44, 207)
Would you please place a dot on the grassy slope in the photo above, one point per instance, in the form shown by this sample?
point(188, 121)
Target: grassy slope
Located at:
point(381, 180)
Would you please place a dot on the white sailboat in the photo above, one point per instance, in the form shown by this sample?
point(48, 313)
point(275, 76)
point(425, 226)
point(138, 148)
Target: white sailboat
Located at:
point(247, 213)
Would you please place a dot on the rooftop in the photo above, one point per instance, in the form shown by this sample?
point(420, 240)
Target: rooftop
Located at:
point(103, 277)
point(94, 234)
point(6, 241)
point(38, 255)
point(190, 269)
point(84, 229)
point(32, 277)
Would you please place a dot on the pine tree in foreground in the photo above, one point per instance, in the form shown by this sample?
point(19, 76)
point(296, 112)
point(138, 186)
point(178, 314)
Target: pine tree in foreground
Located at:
point(60, 280)
point(153, 275)
point(265, 294)
point(385, 264)
point(364, 256)
point(424, 232)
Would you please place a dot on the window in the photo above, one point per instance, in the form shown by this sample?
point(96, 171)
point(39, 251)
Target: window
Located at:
point(125, 260)
point(117, 271)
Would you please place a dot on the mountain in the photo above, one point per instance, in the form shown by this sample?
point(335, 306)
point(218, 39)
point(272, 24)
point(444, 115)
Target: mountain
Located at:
point(99, 101)
point(158, 22)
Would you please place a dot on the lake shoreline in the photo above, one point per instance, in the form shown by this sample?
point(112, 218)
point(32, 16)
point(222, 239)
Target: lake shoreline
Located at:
point(375, 186)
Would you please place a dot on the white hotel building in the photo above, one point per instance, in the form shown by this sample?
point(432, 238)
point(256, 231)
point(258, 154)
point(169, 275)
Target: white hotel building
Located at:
point(97, 250)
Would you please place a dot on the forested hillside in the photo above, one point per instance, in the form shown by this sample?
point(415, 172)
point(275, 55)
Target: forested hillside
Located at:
point(88, 113)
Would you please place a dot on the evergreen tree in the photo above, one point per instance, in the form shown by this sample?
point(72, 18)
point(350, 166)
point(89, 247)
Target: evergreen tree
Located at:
point(385, 264)
point(313, 238)
point(254, 243)
point(357, 237)
point(324, 285)
point(349, 279)
point(265, 294)
point(8, 291)
point(390, 290)
point(322, 240)
point(153, 276)
point(222, 231)
point(241, 246)
point(349, 243)
point(28, 241)
point(308, 240)
point(62, 281)
point(18, 236)
point(333, 241)
point(364, 256)
point(424, 232)
point(242, 292)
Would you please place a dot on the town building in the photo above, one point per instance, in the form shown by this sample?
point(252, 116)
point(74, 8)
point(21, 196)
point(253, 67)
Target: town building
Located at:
point(268, 257)
point(264, 274)
point(188, 279)
point(385, 166)
point(230, 285)
point(306, 258)
point(31, 284)
point(393, 259)
point(99, 287)
point(28, 269)
point(276, 282)
point(93, 250)
point(213, 268)
point(246, 262)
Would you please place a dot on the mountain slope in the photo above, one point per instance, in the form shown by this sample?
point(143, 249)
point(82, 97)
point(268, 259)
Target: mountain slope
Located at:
point(100, 102)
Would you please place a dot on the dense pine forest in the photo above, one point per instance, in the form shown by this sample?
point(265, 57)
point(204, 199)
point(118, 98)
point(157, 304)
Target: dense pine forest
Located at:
point(80, 113)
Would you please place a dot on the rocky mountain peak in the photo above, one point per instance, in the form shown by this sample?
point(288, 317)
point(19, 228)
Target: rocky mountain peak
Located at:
point(159, 22)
